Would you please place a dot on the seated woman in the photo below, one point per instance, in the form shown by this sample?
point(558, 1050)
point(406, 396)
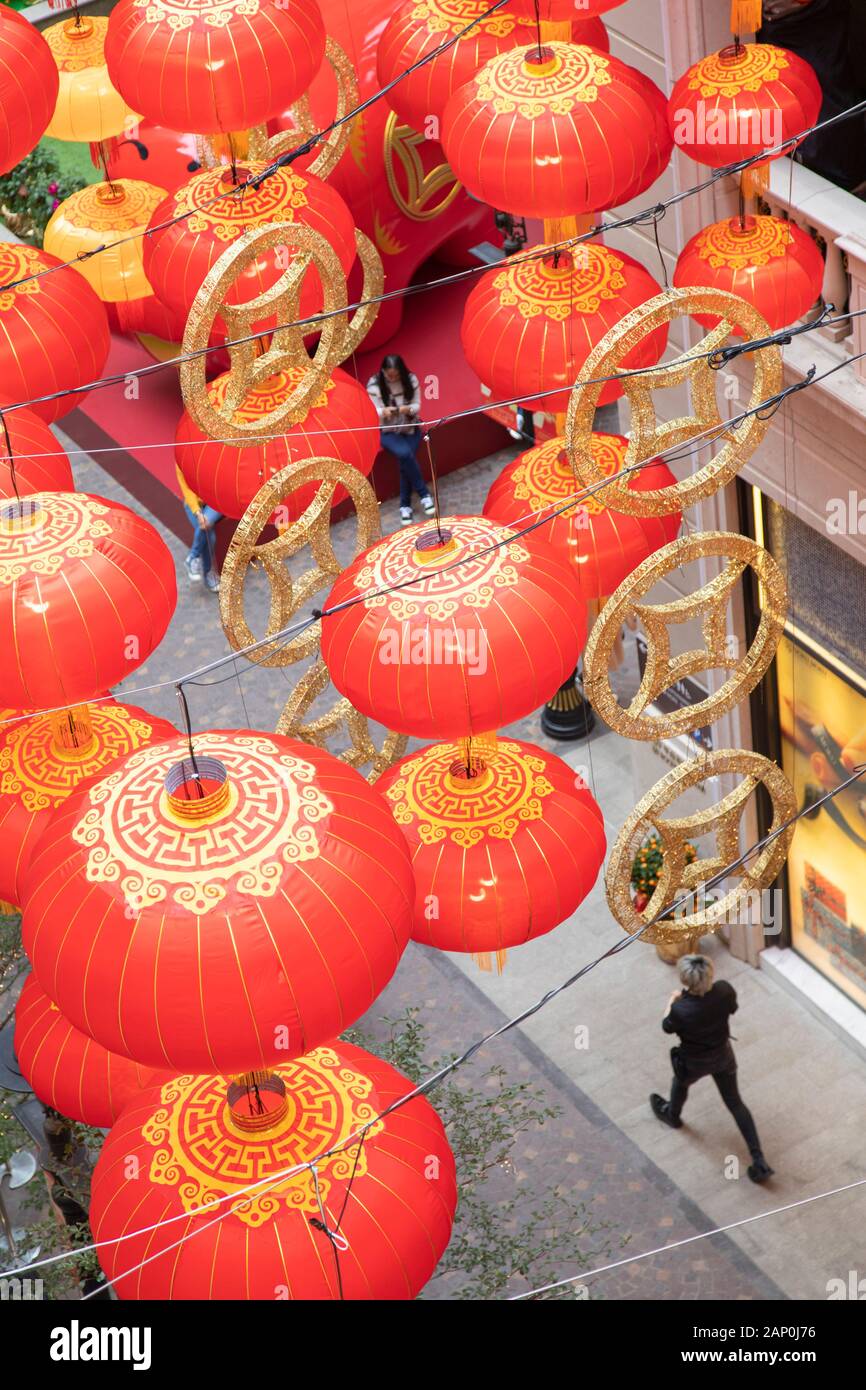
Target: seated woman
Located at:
point(395, 393)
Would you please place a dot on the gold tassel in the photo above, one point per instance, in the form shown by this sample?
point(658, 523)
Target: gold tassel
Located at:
point(745, 16)
point(484, 960)
point(562, 228)
point(476, 748)
point(755, 181)
point(557, 30)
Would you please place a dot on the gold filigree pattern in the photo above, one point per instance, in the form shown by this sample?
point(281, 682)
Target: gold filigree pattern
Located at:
point(722, 74)
point(278, 199)
point(266, 397)
point(450, 16)
point(545, 478)
point(182, 14)
point(709, 604)
point(202, 1152)
point(94, 208)
point(33, 768)
point(509, 791)
point(289, 597)
point(55, 527)
point(649, 437)
point(16, 261)
point(577, 285)
point(418, 196)
point(75, 48)
point(762, 240)
point(134, 839)
point(572, 78)
point(722, 820)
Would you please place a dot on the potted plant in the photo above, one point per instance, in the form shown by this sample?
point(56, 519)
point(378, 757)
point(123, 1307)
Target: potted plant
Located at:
point(645, 871)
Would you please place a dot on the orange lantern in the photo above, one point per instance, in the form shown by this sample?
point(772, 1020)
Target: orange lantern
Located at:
point(213, 65)
point(549, 132)
point(35, 462)
point(418, 27)
point(45, 757)
point(769, 262)
point(530, 324)
point(482, 628)
point(747, 98)
point(604, 546)
point(227, 474)
point(69, 1071)
point(200, 1149)
point(218, 909)
point(87, 590)
point(88, 106)
point(53, 330)
point(507, 844)
point(110, 215)
point(214, 214)
point(28, 87)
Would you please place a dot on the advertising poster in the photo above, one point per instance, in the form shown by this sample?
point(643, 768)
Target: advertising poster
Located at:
point(823, 721)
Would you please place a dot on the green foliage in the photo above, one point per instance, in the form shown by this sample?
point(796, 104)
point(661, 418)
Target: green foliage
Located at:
point(31, 191)
point(647, 865)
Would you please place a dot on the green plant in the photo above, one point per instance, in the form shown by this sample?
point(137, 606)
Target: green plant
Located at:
point(647, 866)
point(31, 191)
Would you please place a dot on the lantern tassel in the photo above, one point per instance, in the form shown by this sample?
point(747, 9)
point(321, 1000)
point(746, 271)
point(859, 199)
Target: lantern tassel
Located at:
point(755, 181)
point(745, 16)
point(484, 960)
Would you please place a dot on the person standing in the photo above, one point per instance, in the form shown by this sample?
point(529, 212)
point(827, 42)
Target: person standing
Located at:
point(200, 562)
point(699, 1014)
point(395, 393)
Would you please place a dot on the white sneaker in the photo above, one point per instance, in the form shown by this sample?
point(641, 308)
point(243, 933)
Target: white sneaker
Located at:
point(406, 517)
point(212, 581)
point(194, 568)
point(428, 504)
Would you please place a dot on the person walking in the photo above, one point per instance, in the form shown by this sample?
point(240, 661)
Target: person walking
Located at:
point(395, 393)
point(699, 1015)
point(200, 563)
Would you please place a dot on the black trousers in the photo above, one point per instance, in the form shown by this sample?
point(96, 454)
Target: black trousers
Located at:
point(726, 1083)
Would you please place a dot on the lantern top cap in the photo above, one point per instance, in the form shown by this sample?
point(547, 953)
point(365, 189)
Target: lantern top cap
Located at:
point(198, 788)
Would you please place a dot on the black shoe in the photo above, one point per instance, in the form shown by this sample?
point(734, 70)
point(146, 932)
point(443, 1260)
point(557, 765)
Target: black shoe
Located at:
point(760, 1170)
point(661, 1108)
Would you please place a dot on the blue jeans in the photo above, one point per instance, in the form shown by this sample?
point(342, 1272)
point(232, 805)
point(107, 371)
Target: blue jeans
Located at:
point(202, 547)
point(405, 447)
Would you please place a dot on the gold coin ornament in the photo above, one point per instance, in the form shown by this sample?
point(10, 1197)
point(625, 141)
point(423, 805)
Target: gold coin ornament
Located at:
point(650, 437)
point(292, 598)
point(332, 148)
point(255, 360)
point(709, 604)
point(680, 873)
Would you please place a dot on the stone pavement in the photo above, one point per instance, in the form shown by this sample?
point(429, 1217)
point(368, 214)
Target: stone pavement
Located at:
point(806, 1088)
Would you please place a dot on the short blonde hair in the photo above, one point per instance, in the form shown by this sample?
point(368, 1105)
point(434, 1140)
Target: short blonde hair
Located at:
point(696, 973)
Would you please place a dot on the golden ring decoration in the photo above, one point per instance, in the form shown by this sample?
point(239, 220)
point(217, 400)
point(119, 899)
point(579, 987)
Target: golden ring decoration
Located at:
point(709, 603)
point(675, 834)
point(289, 597)
point(331, 150)
point(255, 360)
point(649, 437)
point(401, 143)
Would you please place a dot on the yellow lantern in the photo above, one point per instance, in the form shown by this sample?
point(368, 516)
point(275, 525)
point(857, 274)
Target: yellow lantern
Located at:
point(114, 215)
point(88, 106)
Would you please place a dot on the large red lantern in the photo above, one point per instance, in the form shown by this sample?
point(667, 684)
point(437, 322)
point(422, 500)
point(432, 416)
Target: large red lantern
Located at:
point(747, 98)
point(418, 27)
point(463, 631)
point(342, 423)
point(549, 133)
point(213, 65)
point(226, 911)
point(769, 262)
point(28, 87)
point(556, 11)
point(32, 459)
point(53, 330)
point(504, 846)
point(213, 214)
point(604, 546)
point(530, 324)
point(69, 1071)
point(198, 1149)
point(44, 758)
point(87, 590)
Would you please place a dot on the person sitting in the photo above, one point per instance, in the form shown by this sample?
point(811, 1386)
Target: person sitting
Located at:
point(395, 393)
point(200, 563)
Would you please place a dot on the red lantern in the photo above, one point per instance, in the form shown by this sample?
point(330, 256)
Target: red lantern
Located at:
point(604, 546)
point(341, 424)
point(747, 98)
point(53, 330)
point(771, 263)
point(509, 844)
point(663, 141)
point(484, 628)
point(417, 29)
point(69, 1071)
point(571, 133)
point(38, 463)
point(198, 1147)
point(213, 65)
point(87, 590)
point(228, 921)
point(556, 11)
point(29, 82)
point(529, 325)
point(177, 258)
point(46, 757)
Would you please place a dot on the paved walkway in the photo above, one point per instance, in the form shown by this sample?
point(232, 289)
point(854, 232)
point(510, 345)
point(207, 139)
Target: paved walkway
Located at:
point(807, 1089)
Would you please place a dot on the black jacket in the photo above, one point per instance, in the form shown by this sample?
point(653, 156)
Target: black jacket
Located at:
point(701, 1020)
